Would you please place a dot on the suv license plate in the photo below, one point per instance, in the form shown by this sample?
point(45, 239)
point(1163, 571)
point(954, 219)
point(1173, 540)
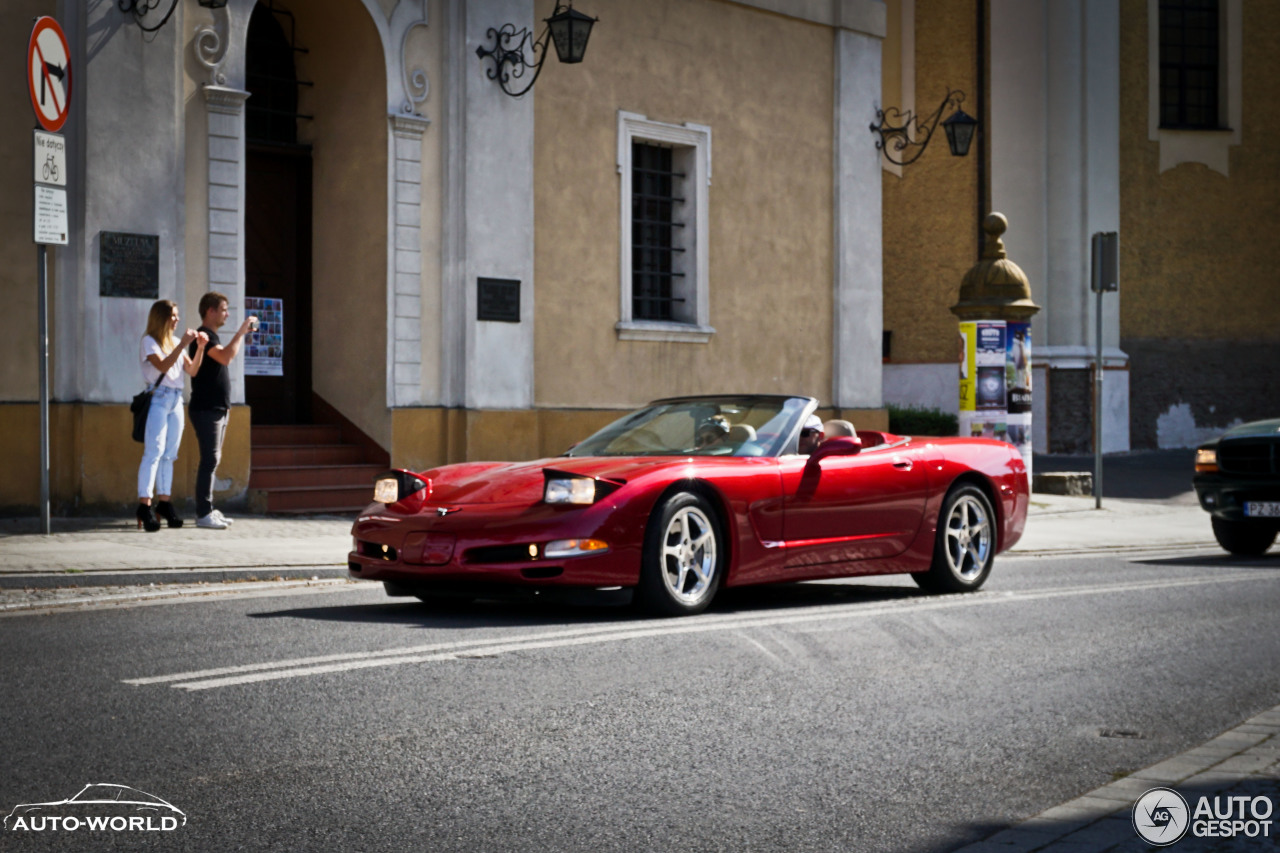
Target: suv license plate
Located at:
point(1262, 509)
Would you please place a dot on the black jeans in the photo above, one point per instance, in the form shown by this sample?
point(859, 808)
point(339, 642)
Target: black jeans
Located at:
point(210, 426)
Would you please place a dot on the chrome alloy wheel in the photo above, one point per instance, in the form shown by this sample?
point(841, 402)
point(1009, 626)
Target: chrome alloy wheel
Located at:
point(969, 537)
point(689, 555)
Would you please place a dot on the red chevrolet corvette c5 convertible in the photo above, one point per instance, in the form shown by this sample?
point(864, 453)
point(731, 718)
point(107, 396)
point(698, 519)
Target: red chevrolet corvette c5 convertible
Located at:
point(691, 494)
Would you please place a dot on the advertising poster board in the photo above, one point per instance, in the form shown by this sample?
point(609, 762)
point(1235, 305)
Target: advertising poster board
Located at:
point(1018, 379)
point(984, 375)
point(264, 349)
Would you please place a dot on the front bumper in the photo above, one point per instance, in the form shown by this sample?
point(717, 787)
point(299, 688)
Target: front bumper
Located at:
point(489, 546)
point(1224, 495)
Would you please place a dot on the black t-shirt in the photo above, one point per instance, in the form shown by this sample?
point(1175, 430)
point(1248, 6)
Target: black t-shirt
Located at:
point(211, 386)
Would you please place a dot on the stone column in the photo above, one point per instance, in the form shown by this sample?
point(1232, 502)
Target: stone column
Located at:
point(226, 208)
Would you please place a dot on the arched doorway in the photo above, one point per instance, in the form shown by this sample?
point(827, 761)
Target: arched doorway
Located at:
point(277, 221)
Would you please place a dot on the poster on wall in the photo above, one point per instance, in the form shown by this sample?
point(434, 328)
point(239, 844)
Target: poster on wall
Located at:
point(1018, 380)
point(264, 349)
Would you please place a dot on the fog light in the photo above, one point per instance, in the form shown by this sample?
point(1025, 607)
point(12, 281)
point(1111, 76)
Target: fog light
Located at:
point(561, 548)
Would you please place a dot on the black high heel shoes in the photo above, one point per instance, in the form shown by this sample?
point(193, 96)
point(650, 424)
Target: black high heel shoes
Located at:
point(164, 509)
point(147, 519)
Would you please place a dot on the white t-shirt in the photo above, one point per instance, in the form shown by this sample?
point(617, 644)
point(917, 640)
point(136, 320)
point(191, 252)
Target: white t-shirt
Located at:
point(172, 379)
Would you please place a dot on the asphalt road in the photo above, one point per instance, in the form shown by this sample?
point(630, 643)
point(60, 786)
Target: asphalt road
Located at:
point(838, 716)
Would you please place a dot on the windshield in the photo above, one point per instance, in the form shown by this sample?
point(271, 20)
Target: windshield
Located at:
point(700, 426)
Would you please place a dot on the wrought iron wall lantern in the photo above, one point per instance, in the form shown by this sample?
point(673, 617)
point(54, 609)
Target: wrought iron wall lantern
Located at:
point(141, 8)
point(514, 51)
point(912, 135)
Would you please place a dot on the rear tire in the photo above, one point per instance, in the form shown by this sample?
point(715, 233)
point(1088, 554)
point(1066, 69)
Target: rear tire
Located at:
point(684, 557)
point(965, 546)
point(1246, 538)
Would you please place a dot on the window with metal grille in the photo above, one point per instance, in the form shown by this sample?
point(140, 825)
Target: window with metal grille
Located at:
point(655, 274)
point(1189, 64)
point(271, 113)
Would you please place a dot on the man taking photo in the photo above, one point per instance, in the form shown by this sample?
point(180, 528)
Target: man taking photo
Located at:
point(211, 402)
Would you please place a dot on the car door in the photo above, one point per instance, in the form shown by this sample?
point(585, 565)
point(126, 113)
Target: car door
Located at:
point(862, 506)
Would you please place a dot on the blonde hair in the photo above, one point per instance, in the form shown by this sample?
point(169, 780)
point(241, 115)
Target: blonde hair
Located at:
point(158, 325)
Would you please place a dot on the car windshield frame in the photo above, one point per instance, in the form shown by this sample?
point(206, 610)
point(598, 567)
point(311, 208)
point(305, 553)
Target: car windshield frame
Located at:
point(704, 425)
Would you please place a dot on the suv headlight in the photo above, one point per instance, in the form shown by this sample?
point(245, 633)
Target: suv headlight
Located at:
point(1206, 460)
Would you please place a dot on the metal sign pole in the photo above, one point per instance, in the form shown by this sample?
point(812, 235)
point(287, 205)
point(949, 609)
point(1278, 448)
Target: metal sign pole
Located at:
point(1105, 278)
point(1097, 414)
point(42, 268)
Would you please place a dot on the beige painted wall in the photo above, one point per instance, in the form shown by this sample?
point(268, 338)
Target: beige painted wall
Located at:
point(1198, 250)
point(349, 276)
point(19, 368)
point(931, 213)
point(764, 85)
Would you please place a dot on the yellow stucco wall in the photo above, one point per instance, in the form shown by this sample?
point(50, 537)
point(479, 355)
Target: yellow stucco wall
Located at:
point(1198, 249)
point(764, 86)
point(931, 213)
point(93, 463)
point(349, 258)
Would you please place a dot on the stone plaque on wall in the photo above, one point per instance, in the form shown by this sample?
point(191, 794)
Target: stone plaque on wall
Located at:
point(499, 299)
point(128, 265)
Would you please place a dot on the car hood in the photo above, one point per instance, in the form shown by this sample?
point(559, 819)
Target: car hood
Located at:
point(1255, 429)
point(522, 482)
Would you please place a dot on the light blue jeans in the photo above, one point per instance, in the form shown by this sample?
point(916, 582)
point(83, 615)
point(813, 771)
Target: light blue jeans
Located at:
point(160, 446)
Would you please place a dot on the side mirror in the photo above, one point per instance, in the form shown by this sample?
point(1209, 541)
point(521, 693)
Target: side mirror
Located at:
point(838, 446)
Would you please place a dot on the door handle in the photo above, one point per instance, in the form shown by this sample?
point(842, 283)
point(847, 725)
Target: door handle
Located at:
point(902, 464)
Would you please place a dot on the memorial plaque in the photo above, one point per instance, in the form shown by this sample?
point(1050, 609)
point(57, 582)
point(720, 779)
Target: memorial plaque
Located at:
point(128, 265)
point(499, 300)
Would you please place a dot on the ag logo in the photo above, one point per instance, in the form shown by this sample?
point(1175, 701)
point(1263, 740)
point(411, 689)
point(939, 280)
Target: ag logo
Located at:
point(1161, 817)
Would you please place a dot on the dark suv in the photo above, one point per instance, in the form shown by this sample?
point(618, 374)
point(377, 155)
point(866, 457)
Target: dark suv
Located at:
point(1238, 480)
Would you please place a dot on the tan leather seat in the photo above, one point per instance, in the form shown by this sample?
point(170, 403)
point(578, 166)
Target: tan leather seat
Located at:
point(839, 429)
point(741, 433)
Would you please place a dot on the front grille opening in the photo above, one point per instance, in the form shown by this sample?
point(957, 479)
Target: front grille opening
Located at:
point(542, 572)
point(375, 551)
point(1249, 457)
point(500, 554)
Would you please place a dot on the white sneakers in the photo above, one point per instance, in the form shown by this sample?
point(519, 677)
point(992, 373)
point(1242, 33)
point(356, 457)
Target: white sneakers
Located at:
point(213, 521)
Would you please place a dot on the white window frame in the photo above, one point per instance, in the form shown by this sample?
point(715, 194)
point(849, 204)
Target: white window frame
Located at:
point(634, 127)
point(1210, 146)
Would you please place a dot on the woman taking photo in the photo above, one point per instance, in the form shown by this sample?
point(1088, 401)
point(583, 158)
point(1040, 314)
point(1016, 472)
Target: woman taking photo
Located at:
point(162, 354)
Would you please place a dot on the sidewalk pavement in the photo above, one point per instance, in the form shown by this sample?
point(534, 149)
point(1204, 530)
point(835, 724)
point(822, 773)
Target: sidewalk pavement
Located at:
point(110, 559)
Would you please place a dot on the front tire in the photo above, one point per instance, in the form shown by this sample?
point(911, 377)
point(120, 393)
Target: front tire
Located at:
point(684, 557)
point(1248, 539)
point(966, 543)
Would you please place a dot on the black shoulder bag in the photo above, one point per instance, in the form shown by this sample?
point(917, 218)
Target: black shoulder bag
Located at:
point(141, 407)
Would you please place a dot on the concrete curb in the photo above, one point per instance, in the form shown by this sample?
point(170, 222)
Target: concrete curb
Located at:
point(1102, 820)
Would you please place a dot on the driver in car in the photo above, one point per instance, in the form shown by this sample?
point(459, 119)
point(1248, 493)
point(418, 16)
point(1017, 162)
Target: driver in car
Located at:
point(811, 435)
point(711, 432)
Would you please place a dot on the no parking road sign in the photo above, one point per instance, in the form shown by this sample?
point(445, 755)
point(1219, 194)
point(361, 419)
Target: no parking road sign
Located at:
point(49, 74)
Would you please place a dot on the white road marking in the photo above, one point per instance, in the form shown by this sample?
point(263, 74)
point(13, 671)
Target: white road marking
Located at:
point(206, 679)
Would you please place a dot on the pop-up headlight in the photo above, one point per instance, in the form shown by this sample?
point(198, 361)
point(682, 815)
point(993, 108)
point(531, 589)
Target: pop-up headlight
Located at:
point(570, 490)
point(395, 486)
point(562, 487)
